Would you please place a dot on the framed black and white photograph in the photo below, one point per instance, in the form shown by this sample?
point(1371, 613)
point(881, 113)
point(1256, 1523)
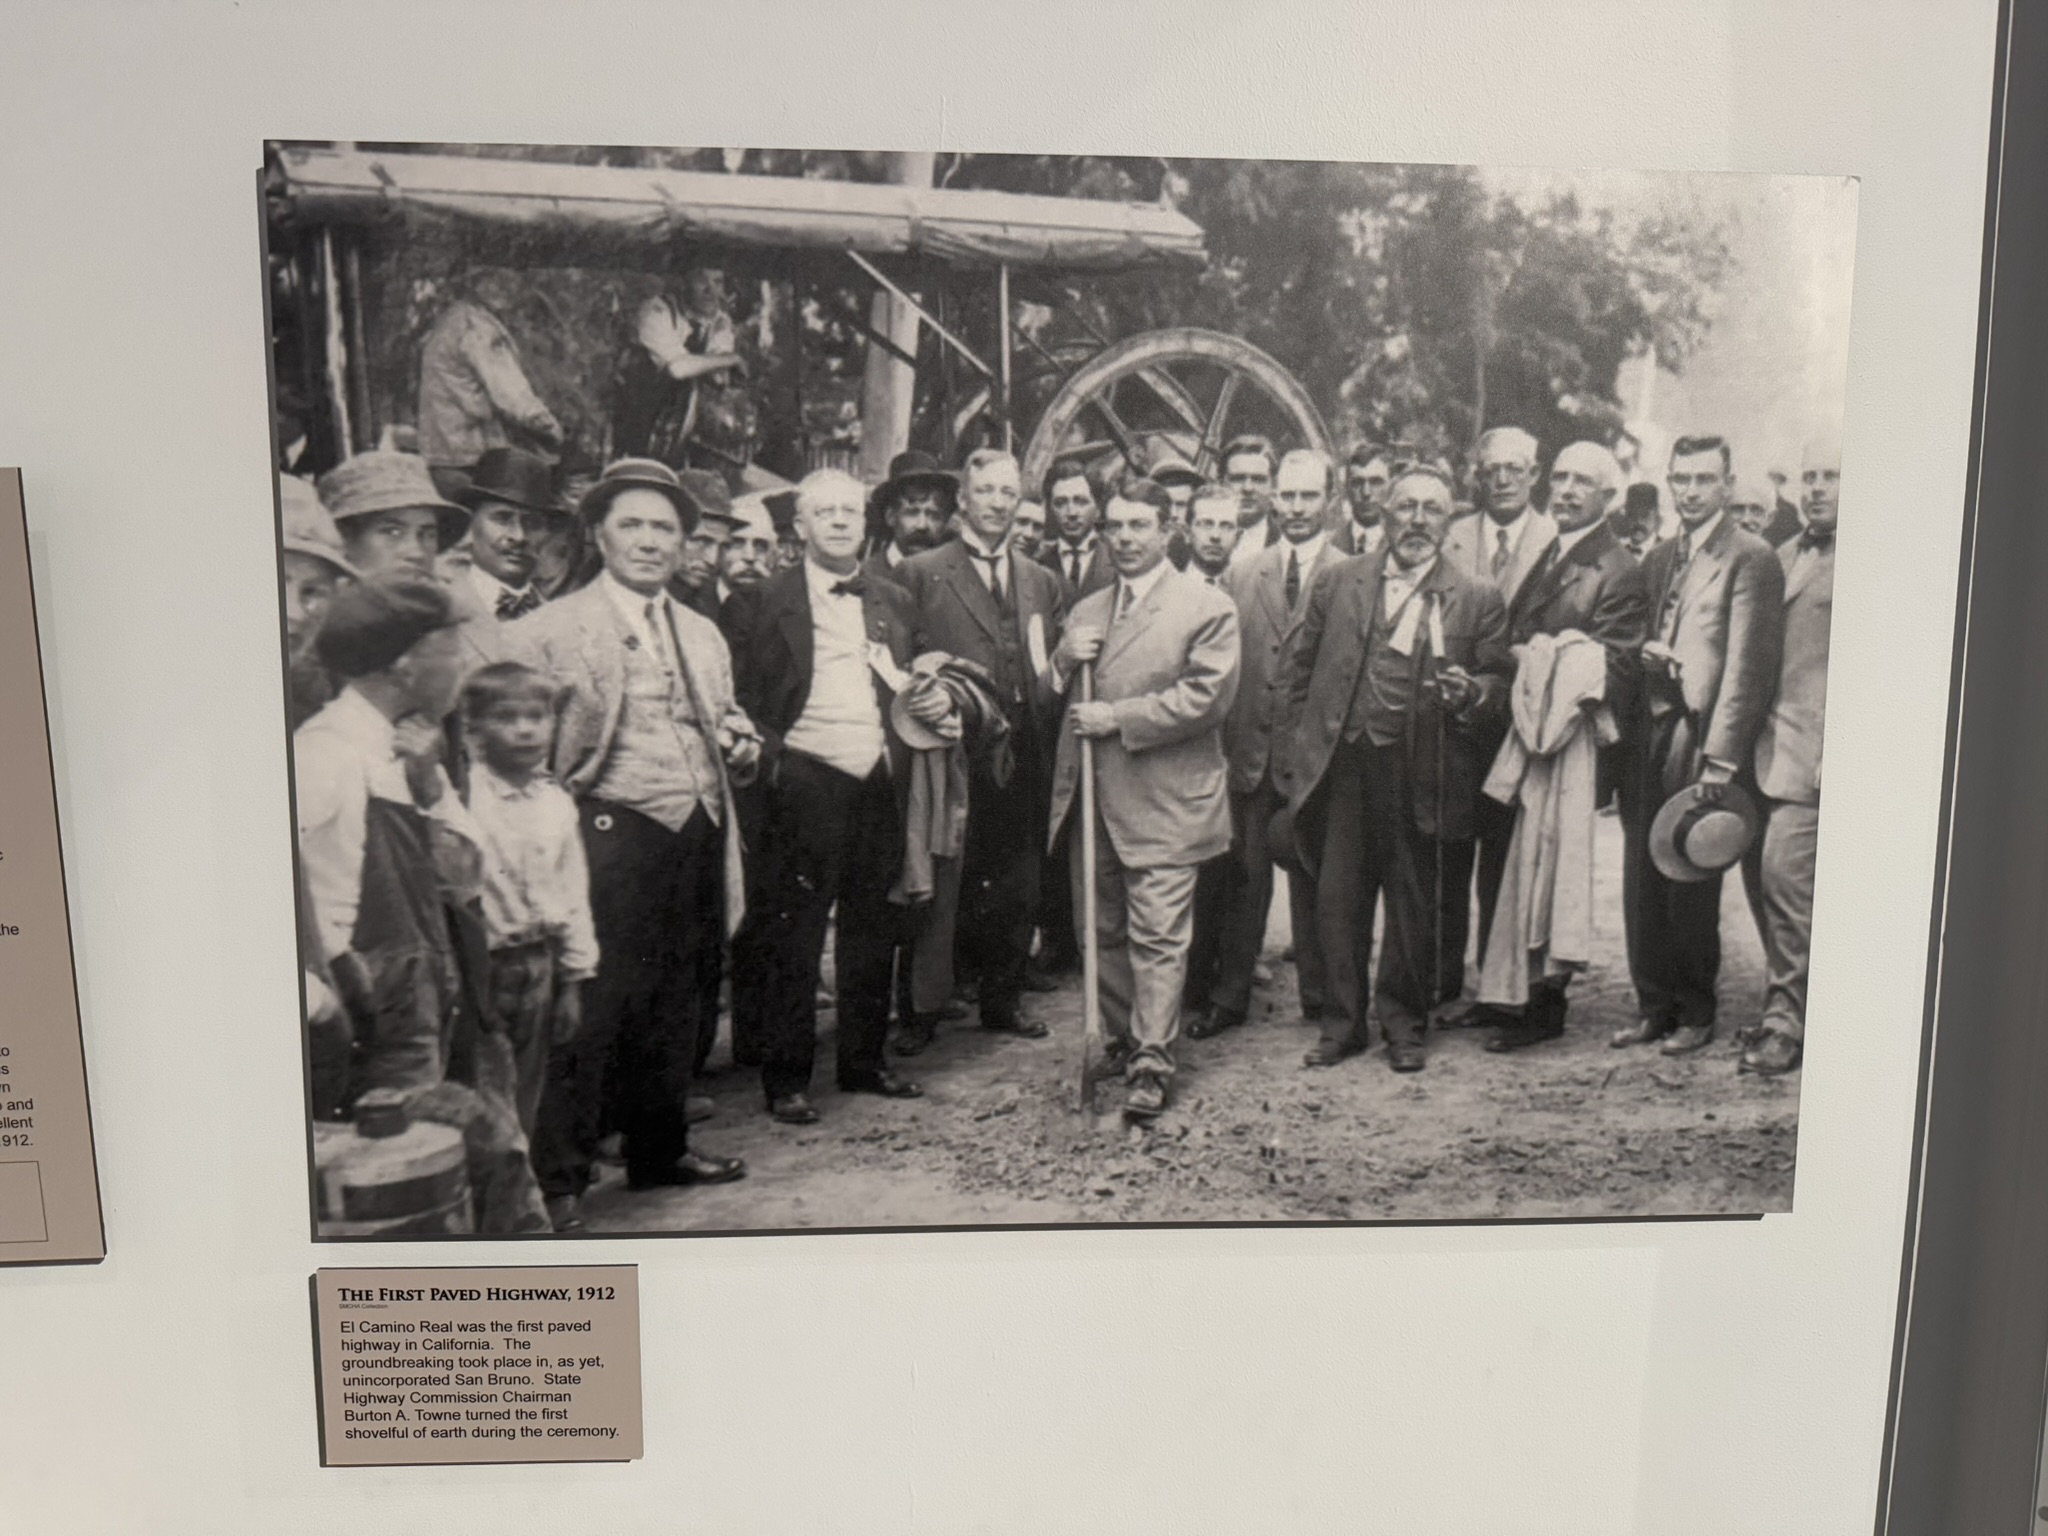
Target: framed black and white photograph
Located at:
point(856, 690)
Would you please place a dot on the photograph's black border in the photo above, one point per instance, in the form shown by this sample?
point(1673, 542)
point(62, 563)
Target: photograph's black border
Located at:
point(635, 1235)
point(1964, 1422)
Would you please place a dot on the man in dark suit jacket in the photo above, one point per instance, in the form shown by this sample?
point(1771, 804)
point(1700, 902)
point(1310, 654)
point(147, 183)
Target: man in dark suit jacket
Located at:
point(1395, 682)
point(1788, 754)
point(1586, 581)
point(1074, 548)
point(814, 649)
point(976, 599)
point(1710, 666)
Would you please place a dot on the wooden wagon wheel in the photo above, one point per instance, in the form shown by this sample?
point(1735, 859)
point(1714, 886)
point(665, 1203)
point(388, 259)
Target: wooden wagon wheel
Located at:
point(1186, 389)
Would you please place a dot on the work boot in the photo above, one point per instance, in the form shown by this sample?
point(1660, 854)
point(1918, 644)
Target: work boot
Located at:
point(1145, 1098)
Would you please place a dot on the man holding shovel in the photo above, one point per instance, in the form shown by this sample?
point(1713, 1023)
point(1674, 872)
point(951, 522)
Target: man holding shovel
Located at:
point(1150, 666)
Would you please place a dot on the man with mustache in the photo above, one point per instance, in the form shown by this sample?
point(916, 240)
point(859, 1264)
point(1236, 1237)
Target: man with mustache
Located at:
point(908, 512)
point(1395, 682)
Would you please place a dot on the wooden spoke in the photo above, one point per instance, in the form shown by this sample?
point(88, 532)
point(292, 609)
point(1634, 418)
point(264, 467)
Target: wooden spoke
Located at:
point(1177, 399)
point(1219, 419)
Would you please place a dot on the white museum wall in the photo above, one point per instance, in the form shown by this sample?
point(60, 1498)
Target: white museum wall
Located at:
point(1709, 1377)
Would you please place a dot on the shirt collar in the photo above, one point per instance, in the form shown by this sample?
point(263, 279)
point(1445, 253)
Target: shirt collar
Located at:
point(1409, 579)
point(1514, 530)
point(1567, 542)
point(1310, 550)
point(1696, 538)
point(822, 581)
point(1140, 587)
point(484, 781)
point(971, 542)
point(632, 605)
point(893, 555)
point(362, 722)
point(490, 591)
point(1085, 545)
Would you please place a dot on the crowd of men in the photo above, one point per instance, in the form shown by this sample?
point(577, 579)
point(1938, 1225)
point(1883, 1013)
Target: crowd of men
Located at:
point(571, 772)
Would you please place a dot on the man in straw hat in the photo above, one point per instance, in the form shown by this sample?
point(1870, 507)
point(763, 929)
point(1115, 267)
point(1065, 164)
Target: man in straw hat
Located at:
point(1710, 665)
point(312, 567)
point(650, 743)
point(371, 798)
point(392, 519)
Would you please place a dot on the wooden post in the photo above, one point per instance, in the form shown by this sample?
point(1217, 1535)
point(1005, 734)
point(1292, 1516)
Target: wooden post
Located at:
point(362, 413)
point(888, 387)
point(335, 352)
point(1003, 363)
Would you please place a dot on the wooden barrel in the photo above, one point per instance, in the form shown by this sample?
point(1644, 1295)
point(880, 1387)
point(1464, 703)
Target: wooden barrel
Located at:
point(413, 1184)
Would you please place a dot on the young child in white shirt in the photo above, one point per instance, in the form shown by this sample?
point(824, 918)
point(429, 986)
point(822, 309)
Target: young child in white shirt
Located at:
point(536, 884)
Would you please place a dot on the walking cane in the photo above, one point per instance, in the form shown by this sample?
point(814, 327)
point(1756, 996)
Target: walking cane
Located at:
point(1091, 1004)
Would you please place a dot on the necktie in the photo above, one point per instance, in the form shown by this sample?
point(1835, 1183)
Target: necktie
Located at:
point(994, 565)
point(1293, 577)
point(1811, 539)
point(512, 605)
point(852, 586)
point(1074, 566)
point(1500, 551)
point(1123, 602)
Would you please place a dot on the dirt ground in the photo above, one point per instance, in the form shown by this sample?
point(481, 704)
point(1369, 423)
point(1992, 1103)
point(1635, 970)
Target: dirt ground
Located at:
point(1573, 1128)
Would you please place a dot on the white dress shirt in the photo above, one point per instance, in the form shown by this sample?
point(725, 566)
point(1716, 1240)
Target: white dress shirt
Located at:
point(536, 881)
point(841, 723)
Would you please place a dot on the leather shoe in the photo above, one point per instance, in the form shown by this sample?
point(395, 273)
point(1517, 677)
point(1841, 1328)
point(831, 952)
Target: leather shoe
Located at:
point(1327, 1052)
point(1688, 1038)
point(1207, 1025)
point(1645, 1031)
point(1406, 1055)
point(1463, 1013)
point(1014, 1023)
point(565, 1213)
point(1145, 1099)
point(690, 1168)
point(885, 1083)
point(916, 1035)
point(1775, 1054)
point(792, 1109)
point(1533, 1028)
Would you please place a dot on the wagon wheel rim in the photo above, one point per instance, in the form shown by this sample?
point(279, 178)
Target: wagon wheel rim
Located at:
point(1094, 414)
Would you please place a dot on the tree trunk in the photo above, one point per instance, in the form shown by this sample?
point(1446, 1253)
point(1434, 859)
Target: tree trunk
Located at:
point(889, 387)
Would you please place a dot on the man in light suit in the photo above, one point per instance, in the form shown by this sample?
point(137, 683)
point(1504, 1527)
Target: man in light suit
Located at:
point(1164, 649)
point(1504, 542)
point(977, 599)
point(650, 742)
point(1788, 750)
point(1396, 683)
point(1710, 667)
point(1271, 594)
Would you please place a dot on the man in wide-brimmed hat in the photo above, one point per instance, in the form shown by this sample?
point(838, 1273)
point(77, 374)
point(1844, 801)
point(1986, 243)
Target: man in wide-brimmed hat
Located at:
point(312, 567)
point(907, 512)
point(392, 519)
point(650, 743)
point(512, 510)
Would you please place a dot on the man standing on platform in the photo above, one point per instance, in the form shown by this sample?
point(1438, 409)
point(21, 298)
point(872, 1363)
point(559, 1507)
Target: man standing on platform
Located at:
point(1588, 583)
point(649, 742)
point(1788, 767)
point(1395, 683)
point(977, 600)
point(1710, 666)
point(1270, 592)
point(1164, 649)
point(815, 650)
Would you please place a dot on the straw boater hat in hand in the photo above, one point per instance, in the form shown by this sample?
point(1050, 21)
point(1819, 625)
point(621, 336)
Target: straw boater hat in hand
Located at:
point(304, 526)
point(381, 481)
point(1701, 831)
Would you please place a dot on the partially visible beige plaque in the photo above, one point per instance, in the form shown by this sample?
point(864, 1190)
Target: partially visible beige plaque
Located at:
point(49, 1189)
point(535, 1363)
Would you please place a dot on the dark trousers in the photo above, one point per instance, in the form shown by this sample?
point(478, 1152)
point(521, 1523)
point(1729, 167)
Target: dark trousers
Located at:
point(1242, 931)
point(1496, 824)
point(1216, 885)
point(1373, 852)
point(827, 838)
point(1674, 927)
point(985, 903)
point(655, 901)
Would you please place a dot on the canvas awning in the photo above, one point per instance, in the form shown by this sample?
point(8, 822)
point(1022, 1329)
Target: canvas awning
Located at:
point(966, 228)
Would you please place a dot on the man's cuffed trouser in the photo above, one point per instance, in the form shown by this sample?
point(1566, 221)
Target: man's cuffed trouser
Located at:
point(1144, 919)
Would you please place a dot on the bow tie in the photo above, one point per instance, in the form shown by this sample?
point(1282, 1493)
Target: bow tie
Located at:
point(1815, 539)
point(512, 605)
point(852, 586)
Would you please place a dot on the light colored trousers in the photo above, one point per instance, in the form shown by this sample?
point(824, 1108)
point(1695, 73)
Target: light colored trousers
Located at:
point(1144, 920)
point(1789, 840)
